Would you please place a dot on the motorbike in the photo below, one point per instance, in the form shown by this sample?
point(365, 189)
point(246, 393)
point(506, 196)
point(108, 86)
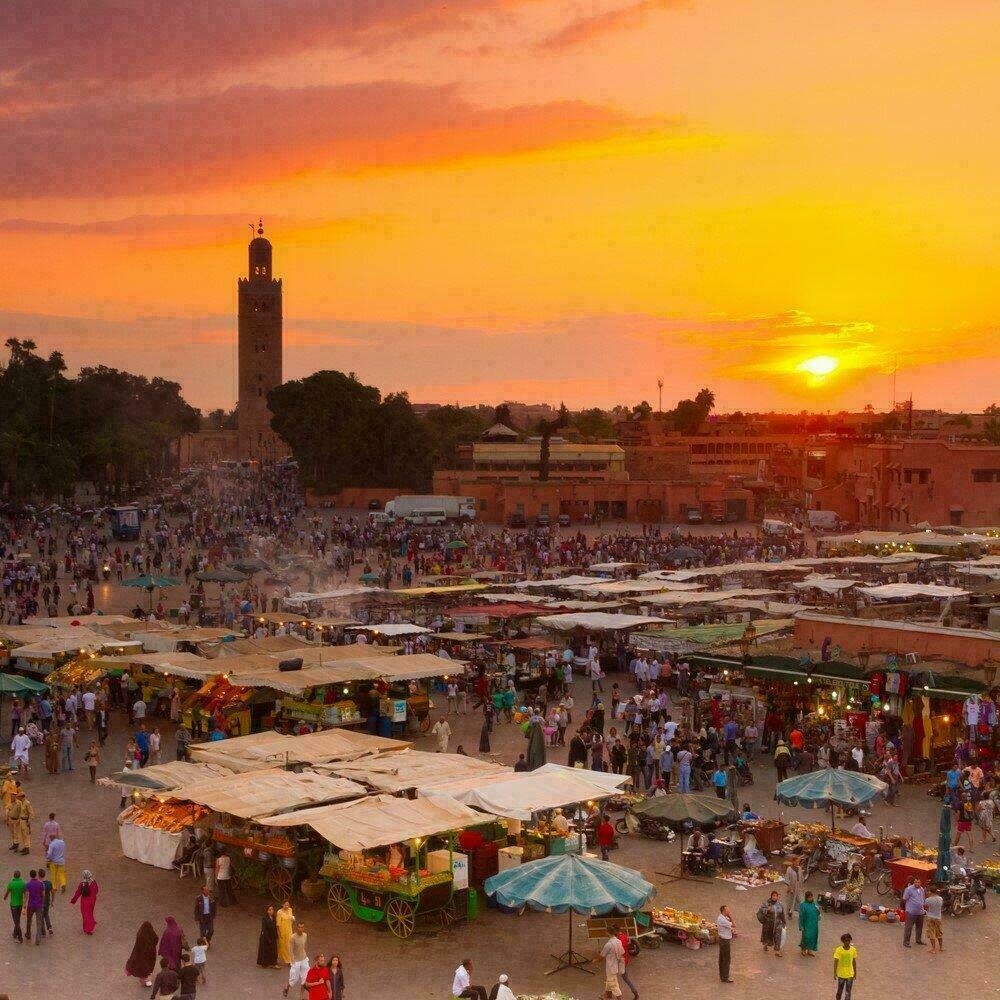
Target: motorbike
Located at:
point(962, 897)
point(655, 829)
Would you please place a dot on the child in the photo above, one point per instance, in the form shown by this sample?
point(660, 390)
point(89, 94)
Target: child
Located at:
point(199, 956)
point(93, 758)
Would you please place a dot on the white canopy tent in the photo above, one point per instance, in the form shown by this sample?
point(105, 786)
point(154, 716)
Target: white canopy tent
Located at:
point(598, 621)
point(902, 591)
point(391, 629)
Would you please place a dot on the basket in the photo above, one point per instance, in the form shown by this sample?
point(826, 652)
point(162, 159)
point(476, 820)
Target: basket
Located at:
point(313, 889)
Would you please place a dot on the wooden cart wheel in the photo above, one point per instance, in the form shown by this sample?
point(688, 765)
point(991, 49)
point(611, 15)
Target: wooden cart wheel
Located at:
point(279, 882)
point(448, 915)
point(338, 902)
point(399, 915)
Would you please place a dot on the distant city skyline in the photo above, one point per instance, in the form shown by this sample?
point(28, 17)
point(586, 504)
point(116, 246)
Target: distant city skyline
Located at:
point(516, 199)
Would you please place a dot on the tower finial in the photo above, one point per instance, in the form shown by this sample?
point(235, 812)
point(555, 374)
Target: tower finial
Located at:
point(260, 227)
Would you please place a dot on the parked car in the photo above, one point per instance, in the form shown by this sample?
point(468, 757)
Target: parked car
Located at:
point(694, 515)
point(517, 521)
point(563, 520)
point(380, 517)
point(543, 521)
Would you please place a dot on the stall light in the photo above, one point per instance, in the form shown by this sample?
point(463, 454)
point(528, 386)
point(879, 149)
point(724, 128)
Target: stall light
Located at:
point(795, 683)
point(725, 673)
point(834, 695)
point(946, 719)
point(345, 690)
point(809, 680)
point(821, 710)
point(927, 687)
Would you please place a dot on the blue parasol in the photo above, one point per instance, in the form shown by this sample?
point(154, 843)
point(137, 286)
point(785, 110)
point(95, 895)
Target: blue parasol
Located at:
point(568, 883)
point(830, 787)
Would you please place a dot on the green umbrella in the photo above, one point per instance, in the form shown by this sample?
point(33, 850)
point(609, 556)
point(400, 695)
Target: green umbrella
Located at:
point(571, 884)
point(457, 543)
point(151, 582)
point(683, 808)
point(250, 566)
point(16, 685)
point(369, 578)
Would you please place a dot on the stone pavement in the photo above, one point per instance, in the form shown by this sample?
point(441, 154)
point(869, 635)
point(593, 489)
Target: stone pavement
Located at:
point(379, 967)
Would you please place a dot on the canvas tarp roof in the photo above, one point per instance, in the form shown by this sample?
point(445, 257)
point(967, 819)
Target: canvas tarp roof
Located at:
point(521, 609)
point(735, 569)
point(704, 597)
point(302, 597)
point(264, 793)
point(901, 591)
point(177, 664)
point(611, 567)
point(826, 584)
point(164, 777)
point(396, 772)
point(627, 587)
point(444, 589)
point(664, 576)
point(391, 628)
point(529, 793)
point(380, 820)
point(556, 582)
point(606, 779)
point(269, 644)
point(461, 637)
point(598, 621)
point(242, 753)
point(162, 640)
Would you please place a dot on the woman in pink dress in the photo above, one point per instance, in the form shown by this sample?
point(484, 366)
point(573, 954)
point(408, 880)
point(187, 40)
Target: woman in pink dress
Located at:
point(86, 893)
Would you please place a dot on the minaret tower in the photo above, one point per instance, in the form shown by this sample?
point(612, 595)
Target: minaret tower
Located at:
point(259, 352)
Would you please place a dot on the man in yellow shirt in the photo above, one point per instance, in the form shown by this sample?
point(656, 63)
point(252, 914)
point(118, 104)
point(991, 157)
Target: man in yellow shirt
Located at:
point(845, 967)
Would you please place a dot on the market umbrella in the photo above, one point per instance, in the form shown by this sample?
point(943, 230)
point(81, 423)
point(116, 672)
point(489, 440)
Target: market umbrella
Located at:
point(830, 787)
point(569, 883)
point(686, 809)
point(369, 578)
point(944, 846)
point(251, 566)
point(457, 543)
point(16, 685)
point(682, 553)
point(150, 582)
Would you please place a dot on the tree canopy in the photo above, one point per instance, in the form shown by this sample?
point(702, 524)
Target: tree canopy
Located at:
point(343, 433)
point(105, 425)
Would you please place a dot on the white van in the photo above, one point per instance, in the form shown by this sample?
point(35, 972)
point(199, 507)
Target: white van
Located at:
point(427, 515)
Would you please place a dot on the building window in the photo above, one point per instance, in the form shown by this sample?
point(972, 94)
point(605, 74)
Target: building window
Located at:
point(920, 476)
point(986, 475)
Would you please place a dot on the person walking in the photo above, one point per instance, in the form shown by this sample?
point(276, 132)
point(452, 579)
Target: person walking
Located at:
point(285, 922)
point(86, 895)
point(204, 913)
point(92, 758)
point(614, 964)
point(224, 878)
point(913, 905)
point(299, 968)
point(55, 855)
point(845, 967)
point(34, 894)
point(188, 975)
point(142, 961)
point(782, 759)
point(14, 895)
point(337, 986)
point(809, 915)
point(684, 770)
point(171, 944)
point(725, 926)
point(67, 739)
point(771, 916)
point(267, 941)
point(626, 959)
point(166, 982)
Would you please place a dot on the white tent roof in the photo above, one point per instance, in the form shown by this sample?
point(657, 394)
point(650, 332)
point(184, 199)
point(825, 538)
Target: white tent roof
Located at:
point(556, 582)
point(528, 793)
point(598, 621)
point(706, 596)
point(263, 793)
point(391, 628)
point(897, 591)
point(827, 584)
point(606, 779)
point(243, 753)
point(734, 569)
point(627, 587)
point(611, 567)
point(396, 772)
point(380, 820)
point(303, 597)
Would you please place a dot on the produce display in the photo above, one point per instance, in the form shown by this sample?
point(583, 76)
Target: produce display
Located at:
point(166, 816)
point(254, 838)
point(921, 852)
point(684, 920)
point(881, 914)
point(991, 870)
point(798, 835)
point(750, 878)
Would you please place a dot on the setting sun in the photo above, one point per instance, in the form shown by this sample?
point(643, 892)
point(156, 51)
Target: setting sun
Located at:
point(820, 366)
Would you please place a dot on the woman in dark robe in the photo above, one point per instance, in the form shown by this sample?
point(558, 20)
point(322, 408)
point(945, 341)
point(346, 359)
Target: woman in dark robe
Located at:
point(536, 746)
point(267, 947)
point(577, 751)
point(336, 968)
point(171, 941)
point(142, 961)
point(484, 738)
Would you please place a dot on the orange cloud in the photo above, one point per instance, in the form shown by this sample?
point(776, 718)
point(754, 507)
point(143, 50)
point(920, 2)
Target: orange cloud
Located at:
point(608, 22)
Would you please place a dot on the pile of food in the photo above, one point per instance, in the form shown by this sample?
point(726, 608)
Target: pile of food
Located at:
point(170, 817)
point(881, 914)
point(751, 878)
point(922, 852)
point(684, 920)
point(991, 870)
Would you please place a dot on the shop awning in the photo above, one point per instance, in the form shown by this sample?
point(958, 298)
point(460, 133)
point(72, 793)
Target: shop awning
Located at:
point(529, 793)
point(599, 621)
point(397, 772)
point(391, 629)
point(795, 670)
point(381, 820)
point(264, 793)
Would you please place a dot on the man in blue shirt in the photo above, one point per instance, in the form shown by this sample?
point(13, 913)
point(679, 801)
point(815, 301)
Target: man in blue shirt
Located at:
point(719, 781)
point(730, 733)
point(142, 742)
point(45, 712)
point(666, 765)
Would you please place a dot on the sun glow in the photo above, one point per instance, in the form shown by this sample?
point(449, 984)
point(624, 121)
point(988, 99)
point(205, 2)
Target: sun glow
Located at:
point(820, 366)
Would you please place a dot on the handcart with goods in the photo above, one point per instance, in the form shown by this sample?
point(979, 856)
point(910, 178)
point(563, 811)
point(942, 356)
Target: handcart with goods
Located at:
point(683, 926)
point(265, 860)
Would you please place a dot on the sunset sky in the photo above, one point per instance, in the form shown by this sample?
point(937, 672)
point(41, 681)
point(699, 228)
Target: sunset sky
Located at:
point(546, 200)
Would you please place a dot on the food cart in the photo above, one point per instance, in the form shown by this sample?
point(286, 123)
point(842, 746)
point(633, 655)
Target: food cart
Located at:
point(380, 867)
point(264, 859)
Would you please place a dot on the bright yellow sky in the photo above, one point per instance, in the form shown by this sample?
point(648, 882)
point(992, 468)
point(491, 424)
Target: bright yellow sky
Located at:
point(538, 199)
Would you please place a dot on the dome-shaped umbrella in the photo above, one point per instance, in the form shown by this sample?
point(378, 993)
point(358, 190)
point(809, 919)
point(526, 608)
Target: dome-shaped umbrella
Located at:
point(686, 809)
point(683, 553)
point(568, 883)
point(830, 787)
point(251, 565)
point(150, 582)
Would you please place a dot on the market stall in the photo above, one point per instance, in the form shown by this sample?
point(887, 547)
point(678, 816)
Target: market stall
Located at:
point(264, 859)
point(391, 859)
point(152, 832)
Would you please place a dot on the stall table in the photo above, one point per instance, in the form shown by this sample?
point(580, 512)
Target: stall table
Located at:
point(903, 868)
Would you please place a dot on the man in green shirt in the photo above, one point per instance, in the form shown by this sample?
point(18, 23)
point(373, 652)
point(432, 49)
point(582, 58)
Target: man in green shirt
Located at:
point(15, 893)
